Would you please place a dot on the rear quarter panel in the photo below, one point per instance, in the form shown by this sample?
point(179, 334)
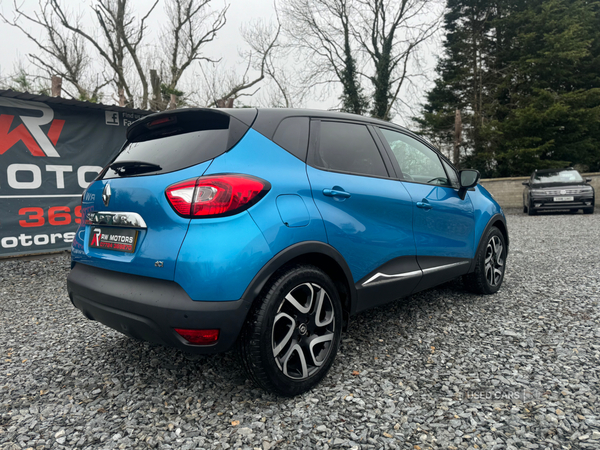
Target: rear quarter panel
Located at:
point(220, 257)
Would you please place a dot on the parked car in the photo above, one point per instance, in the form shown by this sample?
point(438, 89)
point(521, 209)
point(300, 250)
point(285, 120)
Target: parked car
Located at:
point(556, 189)
point(264, 230)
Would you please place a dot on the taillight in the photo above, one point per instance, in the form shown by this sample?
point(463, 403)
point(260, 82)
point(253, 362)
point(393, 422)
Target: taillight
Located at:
point(216, 195)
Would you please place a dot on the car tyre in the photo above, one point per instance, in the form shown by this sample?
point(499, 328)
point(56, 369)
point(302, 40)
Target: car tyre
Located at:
point(589, 210)
point(293, 331)
point(490, 264)
point(531, 211)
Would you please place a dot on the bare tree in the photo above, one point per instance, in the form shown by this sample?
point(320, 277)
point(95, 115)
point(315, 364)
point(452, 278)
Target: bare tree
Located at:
point(119, 36)
point(390, 32)
point(350, 41)
point(63, 53)
point(122, 36)
point(322, 30)
point(192, 24)
point(223, 88)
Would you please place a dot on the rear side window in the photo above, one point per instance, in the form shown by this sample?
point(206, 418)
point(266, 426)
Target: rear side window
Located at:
point(292, 135)
point(348, 147)
point(172, 142)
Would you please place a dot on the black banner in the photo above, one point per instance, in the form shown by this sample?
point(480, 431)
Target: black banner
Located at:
point(48, 156)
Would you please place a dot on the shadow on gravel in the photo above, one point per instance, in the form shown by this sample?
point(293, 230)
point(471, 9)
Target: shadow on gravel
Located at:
point(165, 368)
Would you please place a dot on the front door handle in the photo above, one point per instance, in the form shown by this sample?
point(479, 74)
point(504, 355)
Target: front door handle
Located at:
point(424, 205)
point(336, 193)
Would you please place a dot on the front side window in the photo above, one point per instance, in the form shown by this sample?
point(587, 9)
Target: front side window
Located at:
point(417, 162)
point(348, 147)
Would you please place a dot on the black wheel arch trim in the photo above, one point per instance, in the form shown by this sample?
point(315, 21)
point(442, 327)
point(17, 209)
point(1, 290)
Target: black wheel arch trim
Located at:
point(492, 222)
point(295, 251)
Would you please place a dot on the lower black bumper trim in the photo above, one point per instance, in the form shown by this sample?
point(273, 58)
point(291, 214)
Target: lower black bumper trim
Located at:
point(150, 309)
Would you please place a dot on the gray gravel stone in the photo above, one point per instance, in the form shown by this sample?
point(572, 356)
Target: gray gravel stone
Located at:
point(442, 369)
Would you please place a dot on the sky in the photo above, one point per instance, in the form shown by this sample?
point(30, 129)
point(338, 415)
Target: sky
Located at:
point(15, 46)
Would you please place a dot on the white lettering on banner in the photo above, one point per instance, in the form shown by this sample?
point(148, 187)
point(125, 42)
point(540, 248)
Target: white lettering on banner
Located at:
point(25, 240)
point(60, 174)
point(37, 240)
point(9, 242)
point(12, 171)
point(41, 239)
point(82, 171)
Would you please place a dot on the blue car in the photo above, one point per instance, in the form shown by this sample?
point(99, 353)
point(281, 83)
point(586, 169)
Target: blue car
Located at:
point(264, 230)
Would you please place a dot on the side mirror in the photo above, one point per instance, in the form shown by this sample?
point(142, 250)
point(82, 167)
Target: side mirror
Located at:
point(525, 183)
point(588, 180)
point(468, 178)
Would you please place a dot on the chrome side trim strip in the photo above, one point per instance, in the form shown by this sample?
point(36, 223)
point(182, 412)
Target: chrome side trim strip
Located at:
point(446, 266)
point(115, 219)
point(397, 275)
point(414, 273)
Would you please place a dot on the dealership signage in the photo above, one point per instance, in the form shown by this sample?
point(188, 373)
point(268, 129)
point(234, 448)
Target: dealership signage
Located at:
point(48, 156)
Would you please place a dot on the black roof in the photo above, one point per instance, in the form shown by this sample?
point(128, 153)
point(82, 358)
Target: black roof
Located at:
point(266, 120)
point(9, 93)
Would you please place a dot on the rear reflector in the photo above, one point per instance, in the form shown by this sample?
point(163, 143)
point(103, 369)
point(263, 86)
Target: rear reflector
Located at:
point(199, 337)
point(216, 195)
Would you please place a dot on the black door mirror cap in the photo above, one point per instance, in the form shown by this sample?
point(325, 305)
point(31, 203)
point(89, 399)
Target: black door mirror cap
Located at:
point(525, 183)
point(588, 180)
point(468, 178)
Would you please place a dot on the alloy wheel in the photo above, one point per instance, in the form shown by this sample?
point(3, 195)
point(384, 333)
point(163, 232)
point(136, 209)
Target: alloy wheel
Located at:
point(494, 262)
point(303, 331)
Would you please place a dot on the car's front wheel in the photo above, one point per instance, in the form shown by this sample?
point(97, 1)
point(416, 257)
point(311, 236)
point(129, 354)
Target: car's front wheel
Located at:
point(490, 264)
point(293, 332)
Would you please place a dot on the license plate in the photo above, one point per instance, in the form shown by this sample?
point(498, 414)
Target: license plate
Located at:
point(117, 239)
point(563, 199)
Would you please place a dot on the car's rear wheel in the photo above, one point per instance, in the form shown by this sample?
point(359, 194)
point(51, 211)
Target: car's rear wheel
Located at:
point(293, 332)
point(490, 264)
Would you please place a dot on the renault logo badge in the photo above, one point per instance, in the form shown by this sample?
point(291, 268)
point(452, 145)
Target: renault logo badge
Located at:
point(106, 194)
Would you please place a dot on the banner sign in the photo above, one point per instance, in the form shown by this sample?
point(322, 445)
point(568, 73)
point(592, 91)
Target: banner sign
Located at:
point(48, 156)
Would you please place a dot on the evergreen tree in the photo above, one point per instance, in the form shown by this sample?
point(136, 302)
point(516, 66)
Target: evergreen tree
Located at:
point(549, 115)
point(526, 77)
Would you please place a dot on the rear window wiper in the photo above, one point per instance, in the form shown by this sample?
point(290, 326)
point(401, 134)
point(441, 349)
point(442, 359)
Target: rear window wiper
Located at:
point(126, 168)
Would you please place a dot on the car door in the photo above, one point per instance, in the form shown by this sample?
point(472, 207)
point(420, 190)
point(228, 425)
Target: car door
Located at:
point(443, 223)
point(367, 215)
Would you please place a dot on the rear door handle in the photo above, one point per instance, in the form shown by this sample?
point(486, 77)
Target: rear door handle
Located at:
point(424, 205)
point(336, 193)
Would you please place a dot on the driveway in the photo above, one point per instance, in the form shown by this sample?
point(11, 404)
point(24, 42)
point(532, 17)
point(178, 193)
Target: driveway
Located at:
point(441, 369)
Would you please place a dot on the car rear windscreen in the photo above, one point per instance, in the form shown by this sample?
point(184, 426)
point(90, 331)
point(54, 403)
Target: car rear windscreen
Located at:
point(171, 142)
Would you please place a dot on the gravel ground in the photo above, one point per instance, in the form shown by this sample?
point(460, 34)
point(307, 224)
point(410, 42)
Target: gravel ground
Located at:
point(442, 369)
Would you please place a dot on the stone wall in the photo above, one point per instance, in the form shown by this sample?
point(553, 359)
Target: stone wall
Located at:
point(508, 192)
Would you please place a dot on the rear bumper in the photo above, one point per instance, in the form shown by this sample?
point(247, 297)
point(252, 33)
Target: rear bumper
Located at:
point(150, 309)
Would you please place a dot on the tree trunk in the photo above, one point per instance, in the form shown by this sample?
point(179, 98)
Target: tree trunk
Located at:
point(457, 138)
point(56, 86)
